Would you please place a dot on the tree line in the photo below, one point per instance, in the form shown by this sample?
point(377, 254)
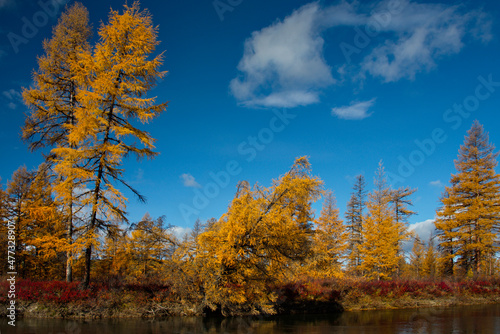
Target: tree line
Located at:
point(70, 216)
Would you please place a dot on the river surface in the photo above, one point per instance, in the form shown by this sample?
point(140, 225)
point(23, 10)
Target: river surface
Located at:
point(462, 319)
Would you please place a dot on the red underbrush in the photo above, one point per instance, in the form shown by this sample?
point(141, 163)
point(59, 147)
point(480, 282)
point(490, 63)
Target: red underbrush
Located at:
point(306, 295)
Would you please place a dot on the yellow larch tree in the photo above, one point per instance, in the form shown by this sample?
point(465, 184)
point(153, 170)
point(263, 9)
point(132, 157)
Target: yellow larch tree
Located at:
point(53, 101)
point(429, 266)
point(380, 253)
point(329, 242)
point(113, 82)
point(150, 245)
point(256, 243)
point(417, 258)
point(469, 217)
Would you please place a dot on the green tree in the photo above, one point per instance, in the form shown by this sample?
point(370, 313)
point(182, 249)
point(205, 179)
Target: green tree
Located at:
point(469, 217)
point(354, 223)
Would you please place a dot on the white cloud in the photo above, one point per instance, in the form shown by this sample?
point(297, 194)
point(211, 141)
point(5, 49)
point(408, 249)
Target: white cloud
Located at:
point(14, 98)
point(189, 181)
point(283, 65)
point(424, 33)
point(180, 232)
point(354, 111)
point(423, 229)
point(12, 94)
point(437, 183)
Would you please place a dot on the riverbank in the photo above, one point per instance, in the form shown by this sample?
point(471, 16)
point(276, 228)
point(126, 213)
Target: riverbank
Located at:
point(68, 301)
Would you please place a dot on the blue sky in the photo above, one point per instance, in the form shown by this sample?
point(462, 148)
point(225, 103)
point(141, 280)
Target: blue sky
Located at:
point(254, 84)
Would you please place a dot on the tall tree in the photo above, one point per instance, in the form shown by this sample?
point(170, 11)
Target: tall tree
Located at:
point(114, 78)
point(469, 217)
point(53, 101)
point(429, 267)
point(380, 254)
point(401, 203)
point(354, 222)
point(329, 241)
point(417, 257)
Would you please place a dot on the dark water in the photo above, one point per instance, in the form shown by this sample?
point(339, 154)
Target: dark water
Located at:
point(463, 319)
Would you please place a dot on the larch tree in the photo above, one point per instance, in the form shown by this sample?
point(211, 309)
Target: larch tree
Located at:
point(469, 217)
point(53, 101)
point(257, 242)
point(429, 266)
point(113, 82)
point(354, 222)
point(329, 241)
point(417, 258)
point(149, 246)
point(18, 199)
point(379, 252)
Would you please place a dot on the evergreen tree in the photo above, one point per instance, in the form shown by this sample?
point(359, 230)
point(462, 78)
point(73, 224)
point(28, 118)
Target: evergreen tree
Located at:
point(401, 202)
point(469, 217)
point(354, 222)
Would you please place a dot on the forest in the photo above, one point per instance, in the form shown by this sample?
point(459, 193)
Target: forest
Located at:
point(73, 241)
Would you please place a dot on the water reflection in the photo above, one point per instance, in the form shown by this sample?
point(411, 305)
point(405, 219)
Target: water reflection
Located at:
point(465, 319)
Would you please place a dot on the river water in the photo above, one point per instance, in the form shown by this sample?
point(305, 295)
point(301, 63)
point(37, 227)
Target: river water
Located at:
point(460, 319)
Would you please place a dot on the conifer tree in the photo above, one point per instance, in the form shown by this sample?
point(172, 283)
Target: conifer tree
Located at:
point(380, 254)
point(329, 241)
point(53, 101)
point(263, 234)
point(469, 217)
point(429, 266)
point(417, 258)
point(401, 202)
point(114, 80)
point(354, 222)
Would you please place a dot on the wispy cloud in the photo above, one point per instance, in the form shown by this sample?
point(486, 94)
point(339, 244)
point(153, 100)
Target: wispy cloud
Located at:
point(5, 3)
point(283, 65)
point(13, 97)
point(354, 111)
point(423, 33)
point(189, 181)
point(437, 184)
